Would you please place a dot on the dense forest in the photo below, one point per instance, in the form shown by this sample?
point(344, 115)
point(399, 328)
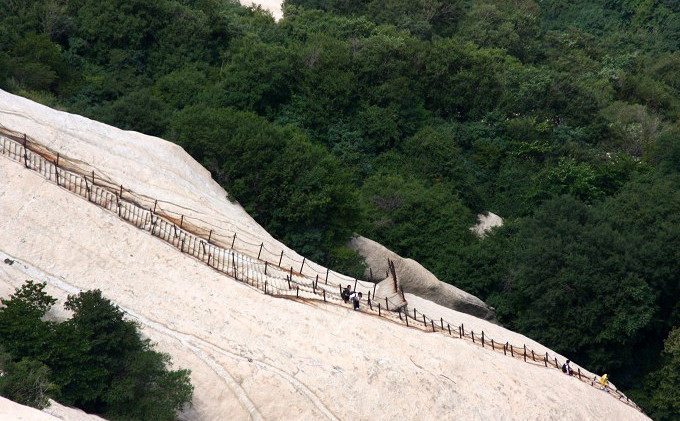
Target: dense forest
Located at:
point(402, 120)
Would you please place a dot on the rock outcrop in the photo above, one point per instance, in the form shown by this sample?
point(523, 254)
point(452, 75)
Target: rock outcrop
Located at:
point(413, 278)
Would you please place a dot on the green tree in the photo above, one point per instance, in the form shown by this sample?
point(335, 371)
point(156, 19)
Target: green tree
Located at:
point(36, 63)
point(23, 333)
point(25, 381)
point(462, 80)
point(422, 220)
point(497, 24)
point(138, 110)
point(256, 76)
point(294, 188)
point(665, 383)
point(121, 375)
point(573, 261)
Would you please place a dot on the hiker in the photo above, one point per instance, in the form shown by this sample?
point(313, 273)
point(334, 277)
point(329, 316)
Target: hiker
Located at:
point(355, 297)
point(345, 293)
point(604, 382)
point(566, 368)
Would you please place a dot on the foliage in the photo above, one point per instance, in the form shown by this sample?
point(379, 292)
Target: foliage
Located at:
point(22, 330)
point(665, 383)
point(25, 382)
point(419, 220)
point(96, 360)
point(292, 186)
point(572, 261)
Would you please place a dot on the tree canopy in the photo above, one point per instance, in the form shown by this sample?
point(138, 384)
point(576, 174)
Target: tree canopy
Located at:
point(97, 360)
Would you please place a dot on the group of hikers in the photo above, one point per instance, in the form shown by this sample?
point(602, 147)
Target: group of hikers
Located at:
point(566, 368)
point(348, 295)
point(355, 297)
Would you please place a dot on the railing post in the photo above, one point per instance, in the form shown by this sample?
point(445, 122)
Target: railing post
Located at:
point(482, 339)
point(260, 252)
point(512, 351)
point(533, 358)
point(387, 304)
point(209, 234)
point(525, 352)
point(424, 321)
point(327, 270)
point(379, 313)
point(432, 323)
point(265, 287)
point(233, 240)
point(545, 360)
point(449, 326)
point(25, 152)
point(473, 337)
point(505, 349)
point(235, 266)
point(324, 295)
point(442, 321)
point(493, 347)
point(153, 225)
point(281, 258)
point(303, 264)
point(56, 169)
point(298, 291)
point(556, 365)
point(265, 267)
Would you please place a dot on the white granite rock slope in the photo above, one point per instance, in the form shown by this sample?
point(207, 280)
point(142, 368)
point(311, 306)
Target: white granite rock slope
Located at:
point(252, 356)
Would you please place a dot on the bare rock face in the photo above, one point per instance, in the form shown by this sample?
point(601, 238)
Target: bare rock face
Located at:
point(413, 278)
point(485, 222)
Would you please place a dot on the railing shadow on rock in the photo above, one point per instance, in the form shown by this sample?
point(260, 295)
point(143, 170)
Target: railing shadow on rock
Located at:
point(234, 256)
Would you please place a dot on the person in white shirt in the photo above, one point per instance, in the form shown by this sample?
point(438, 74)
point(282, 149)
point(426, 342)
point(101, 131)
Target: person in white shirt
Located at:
point(355, 297)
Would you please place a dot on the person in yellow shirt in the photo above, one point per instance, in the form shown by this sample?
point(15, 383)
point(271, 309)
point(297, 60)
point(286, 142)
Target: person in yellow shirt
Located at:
point(604, 382)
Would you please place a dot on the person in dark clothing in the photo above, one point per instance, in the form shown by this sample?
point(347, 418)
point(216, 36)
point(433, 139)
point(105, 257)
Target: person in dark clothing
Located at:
point(345, 293)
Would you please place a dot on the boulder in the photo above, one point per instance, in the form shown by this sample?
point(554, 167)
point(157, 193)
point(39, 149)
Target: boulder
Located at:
point(413, 278)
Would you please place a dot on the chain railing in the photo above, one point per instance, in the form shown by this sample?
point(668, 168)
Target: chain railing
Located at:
point(246, 261)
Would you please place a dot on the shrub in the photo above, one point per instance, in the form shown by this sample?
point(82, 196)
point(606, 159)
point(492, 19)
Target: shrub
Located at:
point(25, 382)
